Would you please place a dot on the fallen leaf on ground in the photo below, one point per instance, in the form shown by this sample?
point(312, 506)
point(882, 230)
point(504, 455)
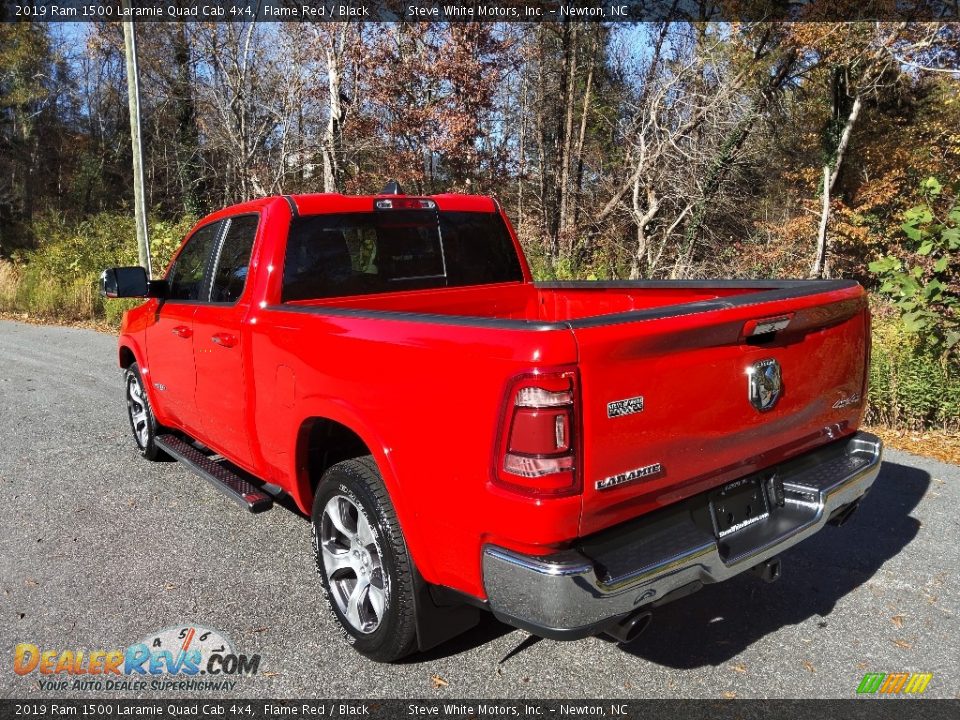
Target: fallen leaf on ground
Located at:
point(739, 668)
point(809, 666)
point(729, 694)
point(902, 644)
point(897, 620)
point(438, 682)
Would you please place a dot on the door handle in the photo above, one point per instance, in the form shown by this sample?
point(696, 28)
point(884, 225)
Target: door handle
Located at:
point(224, 340)
point(182, 331)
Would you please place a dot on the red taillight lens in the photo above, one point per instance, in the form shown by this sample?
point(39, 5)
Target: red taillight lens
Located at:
point(540, 432)
point(538, 440)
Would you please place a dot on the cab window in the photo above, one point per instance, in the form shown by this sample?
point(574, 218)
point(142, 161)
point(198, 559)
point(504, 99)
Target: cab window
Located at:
point(187, 277)
point(233, 262)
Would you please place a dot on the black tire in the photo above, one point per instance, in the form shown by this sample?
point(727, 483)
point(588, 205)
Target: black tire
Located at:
point(143, 424)
point(391, 634)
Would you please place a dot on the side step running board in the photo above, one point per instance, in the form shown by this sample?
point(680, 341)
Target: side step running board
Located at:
point(220, 476)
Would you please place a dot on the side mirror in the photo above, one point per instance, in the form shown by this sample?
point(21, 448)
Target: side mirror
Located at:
point(123, 282)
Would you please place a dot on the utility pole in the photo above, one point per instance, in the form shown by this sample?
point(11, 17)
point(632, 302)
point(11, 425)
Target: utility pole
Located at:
point(133, 95)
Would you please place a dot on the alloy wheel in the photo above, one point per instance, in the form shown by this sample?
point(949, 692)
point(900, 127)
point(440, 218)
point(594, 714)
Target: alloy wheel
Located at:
point(353, 564)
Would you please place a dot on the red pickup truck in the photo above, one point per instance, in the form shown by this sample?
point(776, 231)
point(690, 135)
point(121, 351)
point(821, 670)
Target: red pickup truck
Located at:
point(566, 455)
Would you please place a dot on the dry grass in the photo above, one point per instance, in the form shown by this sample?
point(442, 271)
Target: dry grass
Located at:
point(939, 444)
point(46, 297)
point(10, 279)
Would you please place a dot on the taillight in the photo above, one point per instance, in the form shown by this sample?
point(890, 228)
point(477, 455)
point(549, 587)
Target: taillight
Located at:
point(537, 452)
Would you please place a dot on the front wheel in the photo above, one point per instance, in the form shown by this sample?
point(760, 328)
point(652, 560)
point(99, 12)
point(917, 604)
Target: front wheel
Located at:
point(142, 422)
point(362, 561)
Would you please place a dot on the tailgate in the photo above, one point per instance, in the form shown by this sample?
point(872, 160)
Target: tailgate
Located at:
point(697, 425)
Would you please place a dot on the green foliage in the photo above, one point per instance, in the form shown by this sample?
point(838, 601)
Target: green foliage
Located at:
point(546, 269)
point(923, 280)
point(911, 385)
point(58, 279)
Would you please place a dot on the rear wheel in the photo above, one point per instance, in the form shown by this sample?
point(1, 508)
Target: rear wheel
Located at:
point(363, 562)
point(142, 422)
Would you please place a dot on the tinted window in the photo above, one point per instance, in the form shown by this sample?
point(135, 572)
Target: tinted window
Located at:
point(187, 276)
point(231, 272)
point(350, 254)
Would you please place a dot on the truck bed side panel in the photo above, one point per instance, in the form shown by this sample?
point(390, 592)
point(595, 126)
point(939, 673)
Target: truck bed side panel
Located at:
point(426, 397)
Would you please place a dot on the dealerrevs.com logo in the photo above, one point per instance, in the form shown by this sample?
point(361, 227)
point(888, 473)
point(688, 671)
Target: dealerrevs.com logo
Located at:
point(891, 684)
point(187, 657)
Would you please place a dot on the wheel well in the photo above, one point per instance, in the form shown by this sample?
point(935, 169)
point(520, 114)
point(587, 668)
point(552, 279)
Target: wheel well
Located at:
point(126, 357)
point(324, 443)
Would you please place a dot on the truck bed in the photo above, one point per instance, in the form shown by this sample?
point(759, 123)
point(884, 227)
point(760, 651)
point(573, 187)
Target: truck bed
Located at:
point(684, 347)
point(556, 305)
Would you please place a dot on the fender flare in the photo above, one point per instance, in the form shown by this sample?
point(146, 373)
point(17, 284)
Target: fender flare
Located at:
point(128, 343)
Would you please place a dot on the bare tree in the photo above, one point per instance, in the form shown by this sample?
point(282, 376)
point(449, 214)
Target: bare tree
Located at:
point(333, 40)
point(860, 65)
point(686, 128)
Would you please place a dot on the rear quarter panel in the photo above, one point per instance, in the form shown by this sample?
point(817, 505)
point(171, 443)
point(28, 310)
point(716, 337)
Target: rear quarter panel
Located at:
point(426, 398)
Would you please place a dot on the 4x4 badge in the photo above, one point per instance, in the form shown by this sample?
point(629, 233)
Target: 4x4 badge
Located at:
point(765, 384)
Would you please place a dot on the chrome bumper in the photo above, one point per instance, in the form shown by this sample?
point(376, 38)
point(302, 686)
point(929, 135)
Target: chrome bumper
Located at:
point(576, 592)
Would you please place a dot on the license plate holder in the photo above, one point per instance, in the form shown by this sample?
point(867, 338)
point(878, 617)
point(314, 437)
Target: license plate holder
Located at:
point(738, 505)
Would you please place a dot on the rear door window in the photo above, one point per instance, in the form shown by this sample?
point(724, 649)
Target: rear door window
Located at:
point(188, 276)
point(233, 262)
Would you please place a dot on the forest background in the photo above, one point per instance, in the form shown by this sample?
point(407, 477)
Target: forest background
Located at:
point(650, 150)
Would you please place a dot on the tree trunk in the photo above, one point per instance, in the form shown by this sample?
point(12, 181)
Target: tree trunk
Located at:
point(820, 261)
point(569, 90)
point(522, 170)
point(578, 156)
point(188, 136)
point(641, 257)
point(541, 127)
point(337, 112)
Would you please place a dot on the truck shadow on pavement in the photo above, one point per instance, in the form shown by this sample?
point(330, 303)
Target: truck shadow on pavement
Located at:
point(719, 622)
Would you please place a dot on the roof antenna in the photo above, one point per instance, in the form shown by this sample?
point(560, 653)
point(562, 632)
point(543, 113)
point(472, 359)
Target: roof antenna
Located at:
point(392, 188)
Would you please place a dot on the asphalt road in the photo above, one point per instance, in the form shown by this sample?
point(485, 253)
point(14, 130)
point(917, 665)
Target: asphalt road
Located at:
point(101, 548)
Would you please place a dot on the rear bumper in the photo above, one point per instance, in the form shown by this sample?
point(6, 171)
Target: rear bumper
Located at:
point(577, 592)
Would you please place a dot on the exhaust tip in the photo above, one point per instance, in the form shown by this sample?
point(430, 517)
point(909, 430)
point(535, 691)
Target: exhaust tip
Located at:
point(842, 516)
point(628, 629)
